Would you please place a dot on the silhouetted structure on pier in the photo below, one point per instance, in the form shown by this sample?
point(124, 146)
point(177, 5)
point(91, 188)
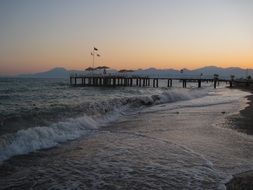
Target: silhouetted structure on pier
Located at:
point(140, 81)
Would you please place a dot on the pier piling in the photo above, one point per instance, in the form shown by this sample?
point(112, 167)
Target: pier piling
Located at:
point(138, 81)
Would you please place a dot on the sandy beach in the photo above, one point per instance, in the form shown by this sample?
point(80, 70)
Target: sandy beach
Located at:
point(243, 123)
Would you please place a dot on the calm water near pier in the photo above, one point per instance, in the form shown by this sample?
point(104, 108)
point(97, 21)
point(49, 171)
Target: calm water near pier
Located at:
point(53, 136)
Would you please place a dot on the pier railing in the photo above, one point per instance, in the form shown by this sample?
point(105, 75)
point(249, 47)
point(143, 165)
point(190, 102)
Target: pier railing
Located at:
point(129, 79)
point(114, 80)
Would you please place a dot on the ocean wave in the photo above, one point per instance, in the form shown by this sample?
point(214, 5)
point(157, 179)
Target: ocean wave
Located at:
point(28, 140)
point(93, 116)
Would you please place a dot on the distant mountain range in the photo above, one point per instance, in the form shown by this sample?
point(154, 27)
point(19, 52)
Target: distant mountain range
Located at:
point(206, 72)
point(53, 73)
point(152, 72)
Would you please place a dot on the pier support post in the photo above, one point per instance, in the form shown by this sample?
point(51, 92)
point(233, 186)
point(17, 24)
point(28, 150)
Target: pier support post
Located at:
point(114, 82)
point(215, 83)
point(184, 83)
point(199, 83)
point(231, 84)
point(169, 82)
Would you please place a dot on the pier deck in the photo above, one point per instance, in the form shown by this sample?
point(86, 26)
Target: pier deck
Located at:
point(138, 81)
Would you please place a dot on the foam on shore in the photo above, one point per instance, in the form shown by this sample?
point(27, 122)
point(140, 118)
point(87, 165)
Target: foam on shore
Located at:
point(94, 115)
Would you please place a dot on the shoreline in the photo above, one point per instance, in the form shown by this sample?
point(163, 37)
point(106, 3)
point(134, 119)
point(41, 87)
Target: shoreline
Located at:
point(243, 124)
point(241, 181)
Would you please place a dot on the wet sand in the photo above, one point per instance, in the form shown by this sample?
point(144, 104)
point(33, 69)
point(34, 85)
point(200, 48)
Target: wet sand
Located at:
point(242, 181)
point(243, 124)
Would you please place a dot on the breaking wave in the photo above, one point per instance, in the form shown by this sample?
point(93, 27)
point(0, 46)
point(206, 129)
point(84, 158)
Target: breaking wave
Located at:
point(94, 115)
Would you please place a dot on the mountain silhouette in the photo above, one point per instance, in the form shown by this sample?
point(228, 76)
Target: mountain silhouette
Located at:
point(209, 71)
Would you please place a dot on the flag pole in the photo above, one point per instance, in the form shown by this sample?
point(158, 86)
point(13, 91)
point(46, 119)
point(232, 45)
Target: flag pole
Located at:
point(93, 54)
point(93, 58)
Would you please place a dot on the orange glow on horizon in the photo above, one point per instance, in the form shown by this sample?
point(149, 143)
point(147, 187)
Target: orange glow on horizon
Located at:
point(128, 34)
point(133, 60)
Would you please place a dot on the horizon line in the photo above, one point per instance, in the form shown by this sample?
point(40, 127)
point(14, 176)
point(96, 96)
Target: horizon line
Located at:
point(69, 70)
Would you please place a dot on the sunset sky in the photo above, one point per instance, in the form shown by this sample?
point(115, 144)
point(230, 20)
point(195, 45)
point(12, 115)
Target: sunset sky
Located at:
point(130, 34)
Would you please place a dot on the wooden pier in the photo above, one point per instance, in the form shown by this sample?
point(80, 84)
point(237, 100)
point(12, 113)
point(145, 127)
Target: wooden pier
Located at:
point(139, 81)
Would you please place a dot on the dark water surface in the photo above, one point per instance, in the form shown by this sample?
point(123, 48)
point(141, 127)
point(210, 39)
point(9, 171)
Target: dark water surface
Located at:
point(126, 138)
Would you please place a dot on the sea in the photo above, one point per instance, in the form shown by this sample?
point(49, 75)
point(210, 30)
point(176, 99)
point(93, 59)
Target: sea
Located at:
point(54, 136)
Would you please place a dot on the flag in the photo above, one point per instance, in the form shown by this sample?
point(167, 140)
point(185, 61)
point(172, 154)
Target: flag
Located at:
point(95, 49)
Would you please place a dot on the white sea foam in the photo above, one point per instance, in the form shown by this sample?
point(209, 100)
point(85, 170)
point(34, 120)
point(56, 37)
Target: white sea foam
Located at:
point(25, 141)
point(100, 113)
